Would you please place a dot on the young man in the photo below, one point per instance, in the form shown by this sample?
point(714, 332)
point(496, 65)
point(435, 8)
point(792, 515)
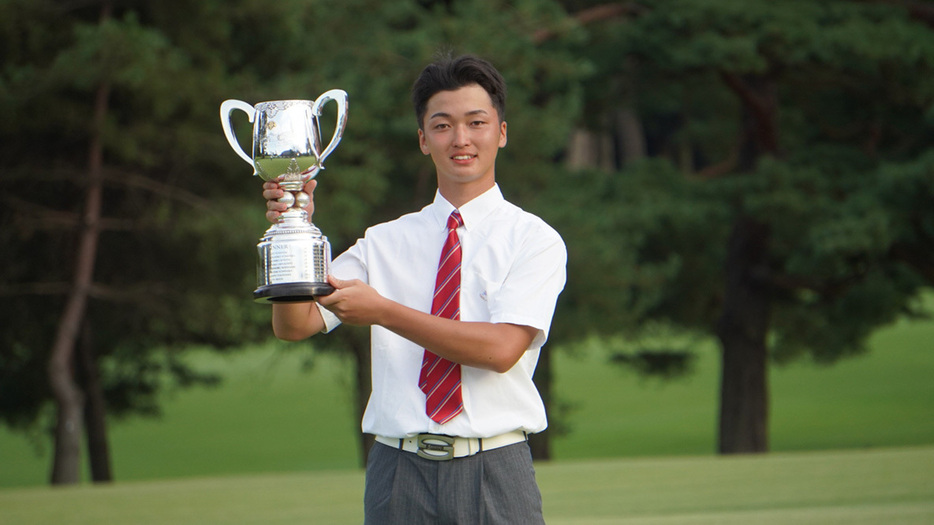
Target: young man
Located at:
point(454, 343)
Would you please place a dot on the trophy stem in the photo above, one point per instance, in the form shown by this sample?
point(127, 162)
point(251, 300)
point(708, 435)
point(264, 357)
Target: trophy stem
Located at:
point(293, 260)
point(294, 216)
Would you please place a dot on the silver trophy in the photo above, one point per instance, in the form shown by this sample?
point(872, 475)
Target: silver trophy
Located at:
point(293, 254)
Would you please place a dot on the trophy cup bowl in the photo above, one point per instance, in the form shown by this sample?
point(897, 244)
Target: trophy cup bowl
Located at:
point(293, 254)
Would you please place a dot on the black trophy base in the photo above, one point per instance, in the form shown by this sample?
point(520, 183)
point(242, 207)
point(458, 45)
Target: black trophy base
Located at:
point(291, 292)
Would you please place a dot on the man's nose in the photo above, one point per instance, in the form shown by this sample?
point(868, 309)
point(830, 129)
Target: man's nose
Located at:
point(461, 136)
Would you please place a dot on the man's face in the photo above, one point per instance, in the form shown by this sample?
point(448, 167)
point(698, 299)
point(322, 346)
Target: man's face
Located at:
point(463, 134)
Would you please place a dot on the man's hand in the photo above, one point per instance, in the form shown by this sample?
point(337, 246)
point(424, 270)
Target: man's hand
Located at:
point(354, 302)
point(272, 193)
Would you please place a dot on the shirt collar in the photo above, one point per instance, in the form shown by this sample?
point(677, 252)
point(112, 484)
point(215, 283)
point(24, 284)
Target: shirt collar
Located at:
point(472, 212)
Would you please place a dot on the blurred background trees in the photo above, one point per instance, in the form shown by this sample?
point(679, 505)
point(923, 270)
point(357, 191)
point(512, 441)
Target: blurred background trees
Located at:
point(761, 206)
point(757, 172)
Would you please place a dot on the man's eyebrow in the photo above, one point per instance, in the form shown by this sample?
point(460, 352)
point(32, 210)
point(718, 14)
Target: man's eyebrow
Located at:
point(442, 114)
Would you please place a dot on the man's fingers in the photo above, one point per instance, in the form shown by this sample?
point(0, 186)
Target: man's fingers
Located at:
point(272, 192)
point(337, 283)
point(332, 297)
point(276, 206)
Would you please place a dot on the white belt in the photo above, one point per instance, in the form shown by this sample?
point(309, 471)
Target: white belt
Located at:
point(439, 447)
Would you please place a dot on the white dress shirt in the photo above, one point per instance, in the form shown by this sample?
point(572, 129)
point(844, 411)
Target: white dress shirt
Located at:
point(512, 270)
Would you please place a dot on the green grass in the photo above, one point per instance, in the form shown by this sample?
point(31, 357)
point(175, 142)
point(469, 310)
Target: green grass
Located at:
point(879, 486)
point(892, 486)
point(271, 417)
point(885, 398)
point(268, 416)
point(882, 398)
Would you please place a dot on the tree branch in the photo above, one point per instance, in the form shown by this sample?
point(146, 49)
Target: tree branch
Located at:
point(116, 294)
point(922, 11)
point(756, 92)
point(136, 180)
point(39, 217)
point(757, 103)
point(594, 14)
point(920, 261)
point(829, 288)
point(719, 169)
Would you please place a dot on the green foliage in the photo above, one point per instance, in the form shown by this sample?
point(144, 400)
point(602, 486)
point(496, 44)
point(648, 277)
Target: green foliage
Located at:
point(846, 199)
point(846, 196)
point(175, 263)
point(644, 243)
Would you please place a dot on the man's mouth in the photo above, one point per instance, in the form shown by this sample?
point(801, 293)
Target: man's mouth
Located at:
point(463, 157)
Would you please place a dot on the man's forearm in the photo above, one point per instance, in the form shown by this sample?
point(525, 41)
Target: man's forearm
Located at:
point(296, 321)
point(490, 346)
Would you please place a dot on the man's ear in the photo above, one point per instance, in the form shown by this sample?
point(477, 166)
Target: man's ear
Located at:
point(421, 142)
point(502, 134)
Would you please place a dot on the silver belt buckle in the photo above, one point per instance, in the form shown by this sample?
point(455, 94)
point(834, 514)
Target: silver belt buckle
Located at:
point(435, 447)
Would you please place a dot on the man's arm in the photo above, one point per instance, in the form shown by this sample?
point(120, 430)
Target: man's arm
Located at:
point(296, 321)
point(293, 321)
point(491, 346)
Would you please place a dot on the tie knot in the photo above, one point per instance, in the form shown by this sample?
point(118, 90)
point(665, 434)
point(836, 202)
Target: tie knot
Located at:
point(455, 220)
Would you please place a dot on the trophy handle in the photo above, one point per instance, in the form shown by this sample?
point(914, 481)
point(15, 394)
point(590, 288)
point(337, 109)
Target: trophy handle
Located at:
point(340, 97)
point(227, 107)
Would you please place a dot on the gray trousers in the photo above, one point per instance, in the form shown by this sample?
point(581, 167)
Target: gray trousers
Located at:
point(493, 487)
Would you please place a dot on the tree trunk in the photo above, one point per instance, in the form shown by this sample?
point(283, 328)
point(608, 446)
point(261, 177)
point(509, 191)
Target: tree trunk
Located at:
point(68, 396)
point(742, 330)
point(66, 464)
point(95, 411)
point(588, 149)
point(631, 141)
point(744, 323)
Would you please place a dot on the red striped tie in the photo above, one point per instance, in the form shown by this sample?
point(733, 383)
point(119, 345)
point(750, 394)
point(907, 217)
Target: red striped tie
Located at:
point(440, 379)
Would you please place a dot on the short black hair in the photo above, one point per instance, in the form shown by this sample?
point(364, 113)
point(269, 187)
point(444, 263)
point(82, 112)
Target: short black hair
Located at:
point(449, 74)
